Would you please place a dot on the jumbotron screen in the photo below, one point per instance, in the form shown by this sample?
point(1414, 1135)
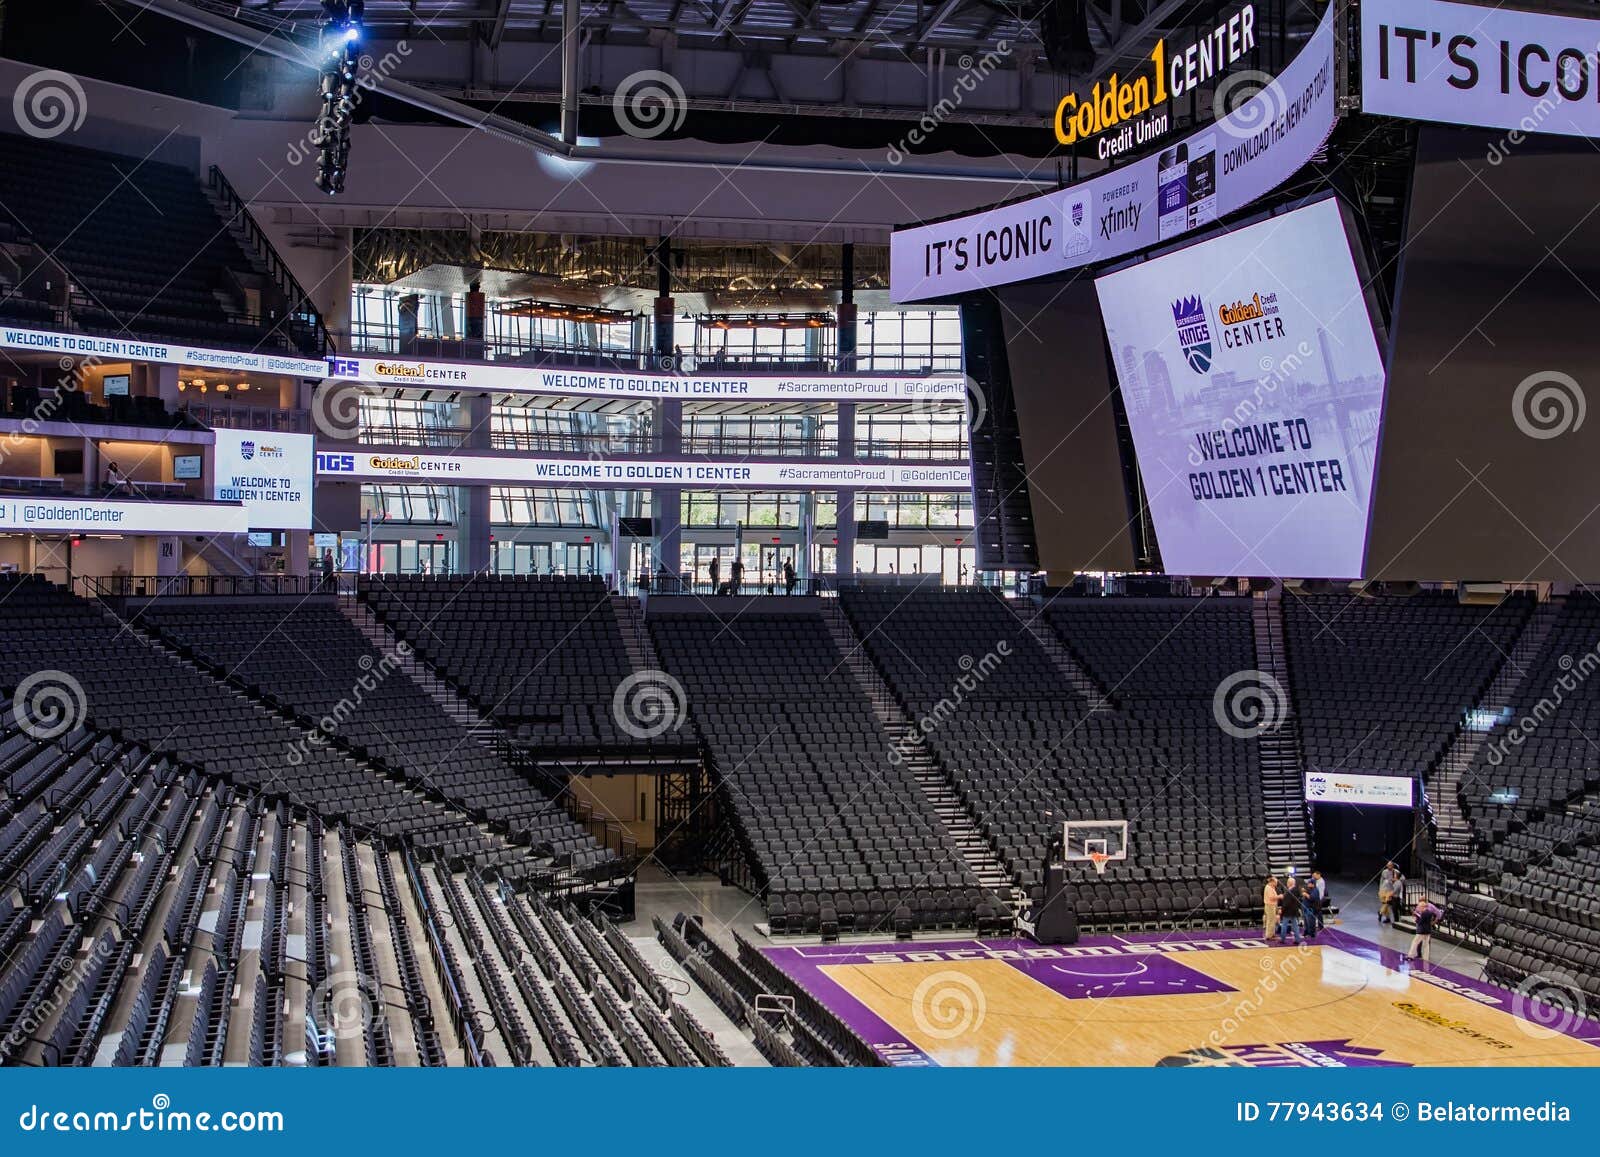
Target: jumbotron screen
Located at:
point(1254, 388)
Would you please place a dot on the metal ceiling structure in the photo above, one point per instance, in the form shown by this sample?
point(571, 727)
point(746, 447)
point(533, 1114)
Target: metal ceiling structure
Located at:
point(775, 56)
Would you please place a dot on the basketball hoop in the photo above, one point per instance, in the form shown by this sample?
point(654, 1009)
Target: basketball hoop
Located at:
point(1099, 860)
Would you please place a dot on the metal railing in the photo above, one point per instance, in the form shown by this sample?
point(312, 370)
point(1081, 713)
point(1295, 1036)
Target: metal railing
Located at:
point(504, 348)
point(239, 416)
point(182, 585)
point(302, 313)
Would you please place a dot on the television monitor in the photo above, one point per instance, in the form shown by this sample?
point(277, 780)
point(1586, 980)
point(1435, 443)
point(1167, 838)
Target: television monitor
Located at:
point(1249, 365)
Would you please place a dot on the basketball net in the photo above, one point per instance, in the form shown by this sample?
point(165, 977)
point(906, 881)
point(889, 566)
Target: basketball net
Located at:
point(1099, 860)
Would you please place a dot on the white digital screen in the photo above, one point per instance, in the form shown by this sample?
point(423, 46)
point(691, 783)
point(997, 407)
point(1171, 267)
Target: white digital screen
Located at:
point(186, 466)
point(1367, 790)
point(1254, 390)
point(271, 474)
point(115, 385)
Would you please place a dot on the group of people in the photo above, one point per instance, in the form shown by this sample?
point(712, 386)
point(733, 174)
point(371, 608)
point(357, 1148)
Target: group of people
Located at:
point(1298, 909)
point(736, 577)
point(1294, 907)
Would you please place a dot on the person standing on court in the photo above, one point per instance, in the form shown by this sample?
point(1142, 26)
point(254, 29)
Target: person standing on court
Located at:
point(1319, 902)
point(789, 577)
point(735, 576)
point(716, 573)
point(1289, 910)
point(1426, 916)
point(1390, 886)
point(1269, 908)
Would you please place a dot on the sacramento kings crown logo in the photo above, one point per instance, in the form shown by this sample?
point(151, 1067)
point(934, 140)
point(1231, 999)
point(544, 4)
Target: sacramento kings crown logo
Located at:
point(1194, 335)
point(247, 450)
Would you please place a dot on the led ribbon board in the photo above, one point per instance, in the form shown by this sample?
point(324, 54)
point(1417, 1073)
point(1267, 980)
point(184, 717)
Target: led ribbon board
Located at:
point(1209, 174)
point(1467, 64)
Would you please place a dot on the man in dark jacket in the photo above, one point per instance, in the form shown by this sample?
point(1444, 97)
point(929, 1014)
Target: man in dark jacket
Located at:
point(1289, 909)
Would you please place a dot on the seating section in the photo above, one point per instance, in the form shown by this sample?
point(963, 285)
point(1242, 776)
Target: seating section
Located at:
point(1383, 684)
point(1155, 656)
point(304, 656)
point(143, 248)
point(142, 691)
point(543, 656)
point(830, 820)
point(1534, 787)
point(1025, 753)
point(159, 916)
point(1543, 943)
point(70, 405)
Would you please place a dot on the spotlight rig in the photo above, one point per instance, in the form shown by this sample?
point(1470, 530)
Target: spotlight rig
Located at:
point(338, 74)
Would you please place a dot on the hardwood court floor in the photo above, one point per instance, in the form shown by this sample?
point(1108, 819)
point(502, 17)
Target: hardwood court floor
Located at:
point(1197, 999)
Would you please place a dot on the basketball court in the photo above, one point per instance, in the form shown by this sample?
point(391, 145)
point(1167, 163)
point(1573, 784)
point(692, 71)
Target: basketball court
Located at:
point(1177, 999)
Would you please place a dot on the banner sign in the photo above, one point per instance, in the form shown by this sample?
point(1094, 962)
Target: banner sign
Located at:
point(515, 379)
point(1464, 64)
point(1127, 112)
point(120, 516)
point(470, 469)
point(1218, 170)
point(116, 349)
point(1366, 790)
point(270, 473)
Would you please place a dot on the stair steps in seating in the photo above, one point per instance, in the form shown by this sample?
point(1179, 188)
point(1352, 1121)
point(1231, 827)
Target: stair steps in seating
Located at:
point(928, 773)
point(1279, 749)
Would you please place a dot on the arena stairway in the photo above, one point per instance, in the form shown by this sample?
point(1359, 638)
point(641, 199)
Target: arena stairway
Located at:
point(1079, 679)
point(928, 772)
point(1282, 759)
point(1453, 831)
point(482, 729)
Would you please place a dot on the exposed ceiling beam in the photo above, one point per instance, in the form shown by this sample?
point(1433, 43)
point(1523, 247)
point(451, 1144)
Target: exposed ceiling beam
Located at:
point(528, 137)
point(932, 24)
point(1113, 55)
point(498, 28)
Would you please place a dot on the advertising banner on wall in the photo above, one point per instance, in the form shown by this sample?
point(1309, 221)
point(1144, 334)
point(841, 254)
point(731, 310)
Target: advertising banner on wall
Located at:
point(270, 473)
point(1209, 174)
point(1368, 790)
point(1469, 64)
point(1253, 385)
point(514, 379)
point(115, 349)
point(119, 516)
point(468, 469)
